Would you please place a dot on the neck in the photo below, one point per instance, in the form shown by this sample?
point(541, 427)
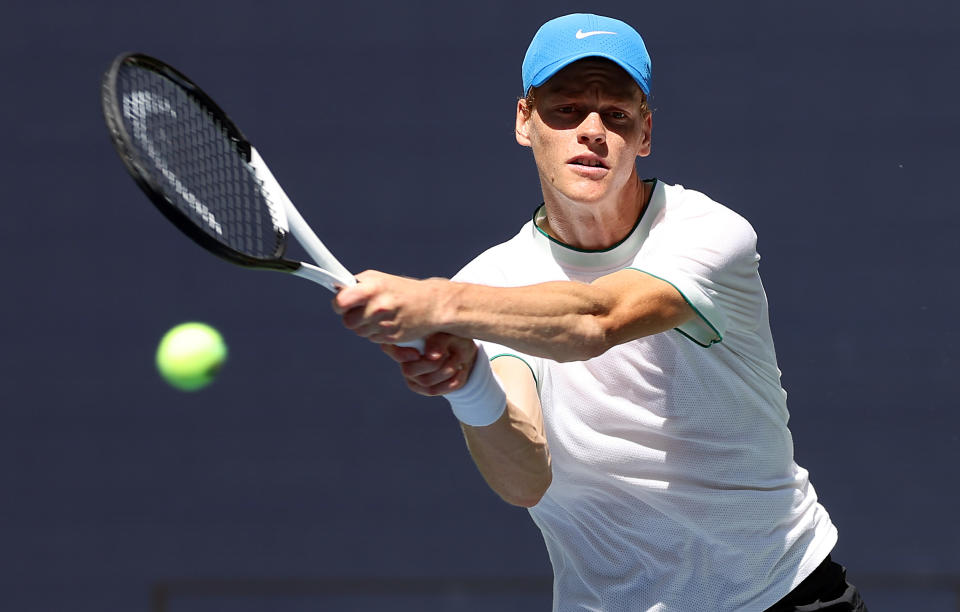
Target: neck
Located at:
point(595, 225)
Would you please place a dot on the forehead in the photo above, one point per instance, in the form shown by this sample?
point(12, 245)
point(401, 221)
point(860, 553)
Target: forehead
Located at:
point(593, 73)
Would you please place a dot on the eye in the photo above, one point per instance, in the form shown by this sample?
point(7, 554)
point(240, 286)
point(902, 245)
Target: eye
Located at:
point(618, 115)
point(566, 110)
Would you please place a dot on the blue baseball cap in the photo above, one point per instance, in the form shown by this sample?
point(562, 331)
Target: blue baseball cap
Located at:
point(564, 40)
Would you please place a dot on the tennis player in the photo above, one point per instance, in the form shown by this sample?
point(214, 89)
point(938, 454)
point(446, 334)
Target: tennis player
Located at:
point(612, 364)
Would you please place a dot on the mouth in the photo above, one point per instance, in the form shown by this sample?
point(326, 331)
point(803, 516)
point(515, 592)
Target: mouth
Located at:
point(590, 167)
point(588, 161)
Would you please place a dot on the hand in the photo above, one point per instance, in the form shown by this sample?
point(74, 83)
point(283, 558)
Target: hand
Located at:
point(389, 309)
point(444, 366)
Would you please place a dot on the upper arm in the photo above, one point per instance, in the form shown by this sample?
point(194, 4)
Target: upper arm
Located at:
point(520, 387)
point(512, 452)
point(711, 261)
point(641, 305)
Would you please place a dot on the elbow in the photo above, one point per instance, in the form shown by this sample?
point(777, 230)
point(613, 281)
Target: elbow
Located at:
point(579, 351)
point(593, 338)
point(530, 494)
point(595, 345)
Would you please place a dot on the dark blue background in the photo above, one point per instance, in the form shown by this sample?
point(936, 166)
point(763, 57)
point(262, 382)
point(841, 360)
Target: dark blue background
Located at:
point(832, 126)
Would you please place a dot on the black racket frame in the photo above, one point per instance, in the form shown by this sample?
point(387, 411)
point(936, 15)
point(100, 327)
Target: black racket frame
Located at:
point(122, 143)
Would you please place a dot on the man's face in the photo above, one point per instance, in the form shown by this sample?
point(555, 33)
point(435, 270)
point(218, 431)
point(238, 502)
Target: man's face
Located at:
point(586, 130)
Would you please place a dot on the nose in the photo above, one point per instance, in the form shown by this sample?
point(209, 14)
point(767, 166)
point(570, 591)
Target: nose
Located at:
point(591, 130)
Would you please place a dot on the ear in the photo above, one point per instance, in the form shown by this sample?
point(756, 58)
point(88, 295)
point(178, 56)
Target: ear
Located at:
point(523, 123)
point(646, 137)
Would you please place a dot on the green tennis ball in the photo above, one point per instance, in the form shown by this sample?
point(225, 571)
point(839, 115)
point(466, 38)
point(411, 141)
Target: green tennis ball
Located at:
point(190, 355)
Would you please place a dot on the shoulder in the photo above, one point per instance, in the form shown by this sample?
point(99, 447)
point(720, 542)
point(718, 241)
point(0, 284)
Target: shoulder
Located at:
point(682, 204)
point(691, 215)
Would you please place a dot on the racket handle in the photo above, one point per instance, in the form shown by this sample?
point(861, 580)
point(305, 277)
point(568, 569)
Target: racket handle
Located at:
point(334, 282)
point(417, 344)
point(327, 279)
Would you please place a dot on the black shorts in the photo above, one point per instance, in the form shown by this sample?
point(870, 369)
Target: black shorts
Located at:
point(825, 589)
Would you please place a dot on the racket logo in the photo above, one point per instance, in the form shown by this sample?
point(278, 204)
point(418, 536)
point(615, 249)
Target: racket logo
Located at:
point(138, 107)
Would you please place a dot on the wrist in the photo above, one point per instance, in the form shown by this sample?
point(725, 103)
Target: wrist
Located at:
point(446, 300)
point(482, 400)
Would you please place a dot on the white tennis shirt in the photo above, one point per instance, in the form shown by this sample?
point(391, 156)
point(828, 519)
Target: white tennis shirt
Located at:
point(674, 485)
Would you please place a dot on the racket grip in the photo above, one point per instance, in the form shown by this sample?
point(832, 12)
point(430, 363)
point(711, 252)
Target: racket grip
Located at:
point(417, 344)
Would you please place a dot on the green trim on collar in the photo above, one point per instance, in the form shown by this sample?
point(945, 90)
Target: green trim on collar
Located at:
point(618, 253)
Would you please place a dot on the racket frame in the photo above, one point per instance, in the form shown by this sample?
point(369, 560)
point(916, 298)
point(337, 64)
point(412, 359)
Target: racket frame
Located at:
point(113, 116)
point(330, 272)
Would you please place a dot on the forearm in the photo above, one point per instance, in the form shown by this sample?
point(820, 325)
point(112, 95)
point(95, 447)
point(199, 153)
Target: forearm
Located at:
point(511, 453)
point(564, 320)
point(561, 320)
point(512, 456)
point(558, 320)
point(499, 413)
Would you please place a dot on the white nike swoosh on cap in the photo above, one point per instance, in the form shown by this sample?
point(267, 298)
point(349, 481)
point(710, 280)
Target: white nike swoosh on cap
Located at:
point(582, 34)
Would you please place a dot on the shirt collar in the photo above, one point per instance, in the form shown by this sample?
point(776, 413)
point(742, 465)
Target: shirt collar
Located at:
point(614, 256)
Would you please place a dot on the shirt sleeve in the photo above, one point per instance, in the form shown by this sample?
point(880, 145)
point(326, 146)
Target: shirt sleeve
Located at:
point(709, 255)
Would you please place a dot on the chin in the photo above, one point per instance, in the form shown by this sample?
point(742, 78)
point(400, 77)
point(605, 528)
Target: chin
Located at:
point(585, 195)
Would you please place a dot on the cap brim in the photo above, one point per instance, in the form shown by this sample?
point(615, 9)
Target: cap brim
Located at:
point(551, 69)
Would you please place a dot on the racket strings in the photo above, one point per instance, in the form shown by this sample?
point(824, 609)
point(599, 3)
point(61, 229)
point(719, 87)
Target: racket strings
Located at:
point(199, 169)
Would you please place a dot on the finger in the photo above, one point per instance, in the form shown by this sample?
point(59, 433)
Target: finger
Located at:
point(419, 389)
point(445, 341)
point(383, 334)
point(421, 367)
point(368, 276)
point(400, 354)
point(449, 370)
point(437, 377)
point(451, 384)
point(466, 354)
point(353, 320)
point(371, 333)
point(366, 325)
point(434, 354)
point(351, 297)
point(437, 344)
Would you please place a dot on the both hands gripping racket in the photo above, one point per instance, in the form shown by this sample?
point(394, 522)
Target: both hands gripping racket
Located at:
point(196, 166)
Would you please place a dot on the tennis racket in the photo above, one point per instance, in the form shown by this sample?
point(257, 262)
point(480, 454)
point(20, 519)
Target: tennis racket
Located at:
point(200, 171)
